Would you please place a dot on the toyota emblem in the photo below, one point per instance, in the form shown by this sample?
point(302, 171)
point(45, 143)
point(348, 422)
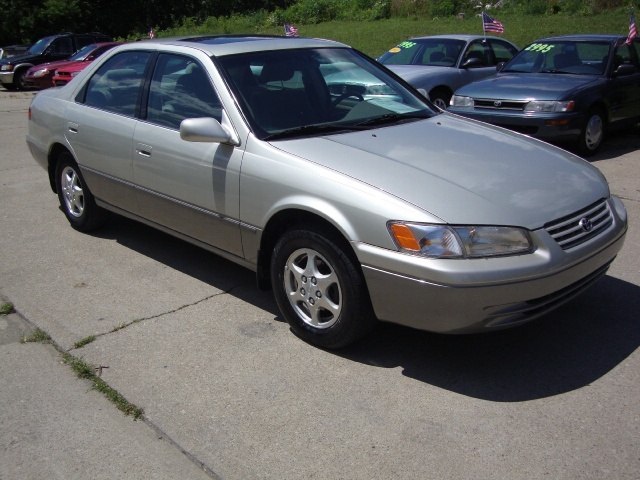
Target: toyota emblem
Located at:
point(586, 224)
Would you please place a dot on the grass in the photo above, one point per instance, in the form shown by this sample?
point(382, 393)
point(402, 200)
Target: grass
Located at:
point(87, 371)
point(6, 308)
point(84, 341)
point(376, 37)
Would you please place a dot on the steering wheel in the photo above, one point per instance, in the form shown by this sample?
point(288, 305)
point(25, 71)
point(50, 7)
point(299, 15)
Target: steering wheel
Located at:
point(447, 60)
point(345, 95)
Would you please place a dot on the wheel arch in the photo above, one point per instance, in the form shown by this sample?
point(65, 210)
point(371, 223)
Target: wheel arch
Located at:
point(54, 156)
point(285, 220)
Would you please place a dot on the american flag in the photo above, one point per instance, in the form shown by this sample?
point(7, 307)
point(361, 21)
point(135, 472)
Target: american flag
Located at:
point(151, 33)
point(491, 25)
point(290, 31)
point(633, 30)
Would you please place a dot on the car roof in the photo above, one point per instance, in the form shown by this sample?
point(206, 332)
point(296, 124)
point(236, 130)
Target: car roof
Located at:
point(221, 45)
point(458, 37)
point(584, 38)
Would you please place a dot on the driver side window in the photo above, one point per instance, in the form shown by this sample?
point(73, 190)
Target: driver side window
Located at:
point(180, 88)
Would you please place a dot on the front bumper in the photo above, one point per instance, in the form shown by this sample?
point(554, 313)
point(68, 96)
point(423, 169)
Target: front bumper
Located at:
point(6, 78)
point(465, 296)
point(534, 125)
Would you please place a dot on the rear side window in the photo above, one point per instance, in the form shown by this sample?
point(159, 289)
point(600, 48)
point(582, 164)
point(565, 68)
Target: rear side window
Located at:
point(62, 46)
point(116, 85)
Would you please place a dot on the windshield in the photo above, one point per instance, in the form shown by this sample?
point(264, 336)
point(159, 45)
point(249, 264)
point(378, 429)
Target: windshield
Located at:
point(567, 57)
point(40, 46)
point(82, 53)
point(288, 93)
point(441, 52)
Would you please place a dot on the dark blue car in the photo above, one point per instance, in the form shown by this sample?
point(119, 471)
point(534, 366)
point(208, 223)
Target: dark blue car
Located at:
point(572, 88)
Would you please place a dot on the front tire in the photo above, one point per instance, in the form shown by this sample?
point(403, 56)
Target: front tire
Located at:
point(319, 289)
point(440, 97)
point(76, 200)
point(593, 133)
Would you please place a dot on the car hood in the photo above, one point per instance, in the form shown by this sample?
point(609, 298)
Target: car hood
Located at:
point(493, 177)
point(50, 65)
point(74, 66)
point(412, 72)
point(521, 86)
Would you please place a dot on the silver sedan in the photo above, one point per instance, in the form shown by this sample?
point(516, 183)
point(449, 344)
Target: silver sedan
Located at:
point(354, 204)
point(441, 64)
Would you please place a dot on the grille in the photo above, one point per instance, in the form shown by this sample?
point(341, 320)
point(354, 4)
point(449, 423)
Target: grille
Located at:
point(581, 226)
point(494, 104)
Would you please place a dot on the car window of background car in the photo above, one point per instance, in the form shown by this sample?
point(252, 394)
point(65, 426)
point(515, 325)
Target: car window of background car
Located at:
point(479, 50)
point(502, 51)
point(180, 89)
point(40, 46)
point(116, 84)
point(80, 54)
point(424, 52)
point(626, 54)
point(62, 46)
point(84, 40)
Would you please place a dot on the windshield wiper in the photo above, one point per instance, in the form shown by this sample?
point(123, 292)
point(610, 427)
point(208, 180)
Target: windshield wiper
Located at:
point(559, 71)
point(391, 117)
point(309, 130)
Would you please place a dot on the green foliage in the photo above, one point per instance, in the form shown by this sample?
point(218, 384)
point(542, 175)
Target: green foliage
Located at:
point(6, 308)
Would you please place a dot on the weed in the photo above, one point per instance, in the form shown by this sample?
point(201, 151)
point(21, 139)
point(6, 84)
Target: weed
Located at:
point(6, 308)
point(37, 336)
point(84, 341)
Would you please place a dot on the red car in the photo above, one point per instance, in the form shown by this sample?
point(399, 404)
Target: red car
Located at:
point(41, 76)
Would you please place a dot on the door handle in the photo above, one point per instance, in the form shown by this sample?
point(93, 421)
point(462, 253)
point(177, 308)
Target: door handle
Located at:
point(143, 150)
point(72, 127)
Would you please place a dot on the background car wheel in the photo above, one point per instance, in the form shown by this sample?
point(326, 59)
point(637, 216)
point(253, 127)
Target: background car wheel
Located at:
point(440, 98)
point(75, 198)
point(320, 289)
point(593, 133)
point(18, 80)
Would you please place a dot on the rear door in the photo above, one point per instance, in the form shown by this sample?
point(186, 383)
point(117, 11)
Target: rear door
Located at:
point(100, 127)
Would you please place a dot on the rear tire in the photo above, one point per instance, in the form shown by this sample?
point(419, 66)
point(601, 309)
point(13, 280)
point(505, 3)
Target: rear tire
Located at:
point(76, 199)
point(593, 133)
point(319, 288)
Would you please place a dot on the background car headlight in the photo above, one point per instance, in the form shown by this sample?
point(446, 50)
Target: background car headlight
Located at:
point(6, 68)
point(549, 106)
point(40, 73)
point(460, 101)
point(73, 74)
point(442, 241)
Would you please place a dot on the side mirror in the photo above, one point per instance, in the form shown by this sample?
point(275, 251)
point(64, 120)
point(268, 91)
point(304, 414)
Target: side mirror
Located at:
point(500, 66)
point(624, 69)
point(473, 63)
point(205, 129)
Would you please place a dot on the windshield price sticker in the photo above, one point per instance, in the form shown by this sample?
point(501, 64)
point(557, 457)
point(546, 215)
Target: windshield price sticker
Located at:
point(407, 44)
point(539, 47)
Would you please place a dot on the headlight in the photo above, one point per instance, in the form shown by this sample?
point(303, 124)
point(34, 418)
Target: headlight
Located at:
point(442, 241)
point(549, 106)
point(40, 73)
point(6, 68)
point(460, 101)
point(73, 74)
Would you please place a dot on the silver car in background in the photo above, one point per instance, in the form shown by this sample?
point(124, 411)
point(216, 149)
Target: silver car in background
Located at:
point(352, 206)
point(440, 64)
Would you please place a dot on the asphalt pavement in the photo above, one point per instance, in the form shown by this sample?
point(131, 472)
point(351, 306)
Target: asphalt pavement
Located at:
point(229, 392)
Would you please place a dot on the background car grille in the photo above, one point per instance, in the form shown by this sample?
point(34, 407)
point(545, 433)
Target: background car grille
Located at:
point(495, 104)
point(581, 226)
